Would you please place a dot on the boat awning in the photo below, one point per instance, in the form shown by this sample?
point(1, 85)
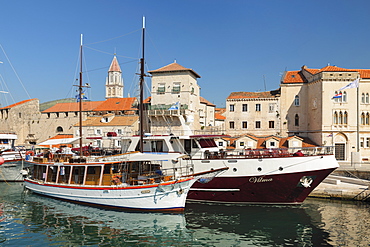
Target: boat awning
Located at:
point(74, 140)
point(137, 156)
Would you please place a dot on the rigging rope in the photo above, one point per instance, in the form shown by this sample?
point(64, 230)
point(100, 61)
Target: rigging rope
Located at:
point(15, 72)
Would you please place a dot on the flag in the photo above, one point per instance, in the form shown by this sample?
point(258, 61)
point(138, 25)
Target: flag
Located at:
point(353, 84)
point(338, 95)
point(82, 96)
point(175, 106)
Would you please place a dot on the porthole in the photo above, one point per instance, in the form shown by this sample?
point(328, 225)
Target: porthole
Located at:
point(234, 169)
point(280, 168)
point(259, 169)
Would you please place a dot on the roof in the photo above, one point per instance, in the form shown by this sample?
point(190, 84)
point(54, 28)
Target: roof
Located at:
point(173, 67)
point(116, 121)
point(204, 101)
point(114, 66)
point(254, 95)
point(74, 106)
point(111, 104)
point(294, 77)
point(58, 140)
point(17, 104)
point(297, 76)
point(283, 141)
point(218, 116)
point(116, 104)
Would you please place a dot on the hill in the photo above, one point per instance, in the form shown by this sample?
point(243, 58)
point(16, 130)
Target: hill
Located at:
point(46, 105)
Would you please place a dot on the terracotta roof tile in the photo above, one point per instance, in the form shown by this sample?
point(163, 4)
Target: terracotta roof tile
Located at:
point(204, 101)
point(18, 103)
point(218, 116)
point(297, 76)
point(173, 67)
point(251, 95)
point(73, 106)
point(117, 104)
point(294, 77)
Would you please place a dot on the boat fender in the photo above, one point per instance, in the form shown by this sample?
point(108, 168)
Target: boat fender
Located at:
point(2, 161)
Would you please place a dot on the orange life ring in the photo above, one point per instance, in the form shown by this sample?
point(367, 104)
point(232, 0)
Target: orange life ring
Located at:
point(116, 179)
point(31, 153)
point(86, 153)
point(51, 155)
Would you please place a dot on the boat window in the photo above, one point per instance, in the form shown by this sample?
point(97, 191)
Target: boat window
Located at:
point(194, 144)
point(207, 143)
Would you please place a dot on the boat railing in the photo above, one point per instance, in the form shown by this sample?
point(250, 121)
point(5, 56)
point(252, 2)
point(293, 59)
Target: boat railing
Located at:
point(269, 153)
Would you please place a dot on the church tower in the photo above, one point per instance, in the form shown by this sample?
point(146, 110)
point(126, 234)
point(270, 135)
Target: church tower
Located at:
point(114, 82)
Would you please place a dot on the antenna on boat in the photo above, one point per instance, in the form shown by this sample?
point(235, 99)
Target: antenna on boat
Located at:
point(141, 99)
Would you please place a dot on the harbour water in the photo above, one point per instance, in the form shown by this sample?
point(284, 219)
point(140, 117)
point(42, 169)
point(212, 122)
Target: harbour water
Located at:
point(28, 219)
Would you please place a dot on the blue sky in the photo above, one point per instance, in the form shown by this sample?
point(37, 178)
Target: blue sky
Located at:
point(234, 45)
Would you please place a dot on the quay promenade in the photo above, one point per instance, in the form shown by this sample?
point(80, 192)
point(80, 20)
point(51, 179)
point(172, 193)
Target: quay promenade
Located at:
point(348, 182)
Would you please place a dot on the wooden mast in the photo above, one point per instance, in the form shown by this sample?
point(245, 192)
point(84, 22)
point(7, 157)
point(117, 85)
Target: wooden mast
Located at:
point(141, 98)
point(80, 100)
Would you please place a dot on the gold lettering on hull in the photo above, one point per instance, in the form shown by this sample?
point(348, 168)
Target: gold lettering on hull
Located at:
point(260, 180)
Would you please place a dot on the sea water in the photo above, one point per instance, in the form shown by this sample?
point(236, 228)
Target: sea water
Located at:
point(27, 219)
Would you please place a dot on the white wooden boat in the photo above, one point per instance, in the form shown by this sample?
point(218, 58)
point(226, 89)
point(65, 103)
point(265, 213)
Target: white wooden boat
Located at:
point(127, 181)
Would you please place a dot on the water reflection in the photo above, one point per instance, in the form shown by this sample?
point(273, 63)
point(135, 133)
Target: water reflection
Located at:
point(32, 220)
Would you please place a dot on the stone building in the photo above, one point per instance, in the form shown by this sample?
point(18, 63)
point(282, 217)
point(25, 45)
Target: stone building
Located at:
point(248, 112)
point(104, 131)
point(176, 105)
point(21, 118)
point(114, 83)
point(309, 108)
point(63, 117)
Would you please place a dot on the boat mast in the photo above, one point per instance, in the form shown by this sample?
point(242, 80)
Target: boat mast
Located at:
point(141, 86)
point(80, 99)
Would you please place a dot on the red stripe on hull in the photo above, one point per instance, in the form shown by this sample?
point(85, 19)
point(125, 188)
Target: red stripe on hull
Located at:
point(281, 188)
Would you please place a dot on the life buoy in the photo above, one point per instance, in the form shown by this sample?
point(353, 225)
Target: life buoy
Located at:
point(31, 153)
point(51, 155)
point(116, 179)
point(86, 153)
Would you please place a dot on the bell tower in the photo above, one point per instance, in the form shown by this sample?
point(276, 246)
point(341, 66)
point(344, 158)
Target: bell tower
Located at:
point(114, 82)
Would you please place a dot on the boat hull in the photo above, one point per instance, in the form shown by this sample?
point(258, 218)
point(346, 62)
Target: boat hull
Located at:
point(275, 180)
point(168, 196)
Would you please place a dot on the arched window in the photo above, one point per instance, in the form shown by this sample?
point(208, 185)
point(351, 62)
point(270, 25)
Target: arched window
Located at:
point(340, 118)
point(337, 99)
point(344, 96)
point(296, 100)
point(367, 98)
point(335, 119)
point(367, 119)
point(345, 118)
point(296, 120)
point(363, 98)
point(59, 129)
point(362, 118)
